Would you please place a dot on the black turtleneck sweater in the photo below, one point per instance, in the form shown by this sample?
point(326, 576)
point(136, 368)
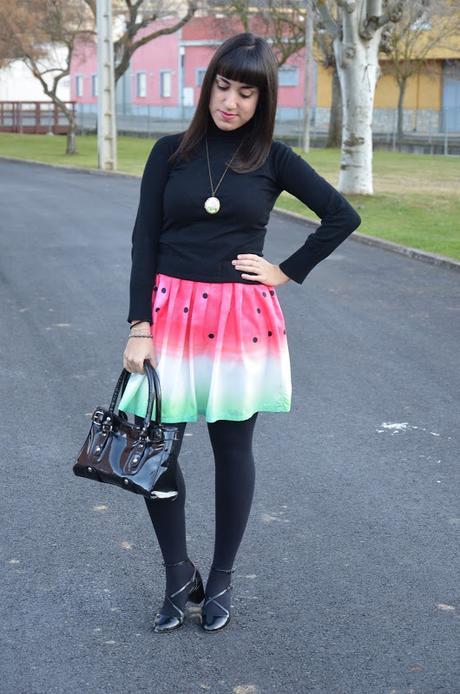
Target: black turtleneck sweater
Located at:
point(174, 235)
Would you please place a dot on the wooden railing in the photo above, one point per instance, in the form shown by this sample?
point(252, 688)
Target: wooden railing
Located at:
point(33, 117)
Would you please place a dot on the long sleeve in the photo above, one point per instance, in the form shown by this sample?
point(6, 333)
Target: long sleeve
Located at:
point(338, 218)
point(147, 229)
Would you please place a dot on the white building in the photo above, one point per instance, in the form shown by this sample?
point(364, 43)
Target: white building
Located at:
point(18, 84)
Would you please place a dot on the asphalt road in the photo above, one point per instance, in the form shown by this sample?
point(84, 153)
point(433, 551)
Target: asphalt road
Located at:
point(347, 579)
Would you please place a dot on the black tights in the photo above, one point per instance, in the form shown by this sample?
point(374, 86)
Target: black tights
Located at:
point(231, 442)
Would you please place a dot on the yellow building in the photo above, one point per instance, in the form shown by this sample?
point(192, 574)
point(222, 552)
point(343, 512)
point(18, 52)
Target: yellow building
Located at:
point(432, 96)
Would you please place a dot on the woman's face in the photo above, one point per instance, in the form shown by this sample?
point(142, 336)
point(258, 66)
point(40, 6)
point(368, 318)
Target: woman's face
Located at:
point(232, 103)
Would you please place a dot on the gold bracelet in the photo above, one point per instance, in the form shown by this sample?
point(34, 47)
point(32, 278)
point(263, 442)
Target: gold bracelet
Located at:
point(139, 336)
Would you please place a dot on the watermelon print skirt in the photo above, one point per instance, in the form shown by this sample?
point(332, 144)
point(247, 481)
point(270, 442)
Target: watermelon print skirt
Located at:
point(222, 352)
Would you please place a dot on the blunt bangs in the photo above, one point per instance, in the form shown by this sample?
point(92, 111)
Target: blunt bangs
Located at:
point(243, 65)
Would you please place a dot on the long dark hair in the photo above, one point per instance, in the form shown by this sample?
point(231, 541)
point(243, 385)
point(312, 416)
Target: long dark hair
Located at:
point(246, 58)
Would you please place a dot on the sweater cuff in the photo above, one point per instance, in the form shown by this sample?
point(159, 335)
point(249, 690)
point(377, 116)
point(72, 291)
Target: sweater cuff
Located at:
point(292, 269)
point(140, 305)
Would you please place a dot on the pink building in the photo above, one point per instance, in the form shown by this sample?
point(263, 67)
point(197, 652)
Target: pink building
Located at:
point(165, 75)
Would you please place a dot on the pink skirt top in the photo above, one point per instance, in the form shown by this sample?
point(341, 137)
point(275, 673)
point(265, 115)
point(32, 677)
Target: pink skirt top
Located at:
point(222, 352)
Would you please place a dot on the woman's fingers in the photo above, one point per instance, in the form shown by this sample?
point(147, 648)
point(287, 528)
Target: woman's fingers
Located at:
point(135, 355)
point(260, 269)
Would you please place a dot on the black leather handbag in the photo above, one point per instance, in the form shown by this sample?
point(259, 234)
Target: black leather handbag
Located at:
point(138, 457)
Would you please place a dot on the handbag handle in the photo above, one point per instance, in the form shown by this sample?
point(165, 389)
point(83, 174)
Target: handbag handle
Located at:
point(154, 393)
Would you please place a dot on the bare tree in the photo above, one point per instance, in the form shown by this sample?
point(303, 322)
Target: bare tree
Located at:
point(308, 63)
point(139, 15)
point(326, 57)
point(283, 23)
point(424, 25)
point(43, 34)
point(356, 43)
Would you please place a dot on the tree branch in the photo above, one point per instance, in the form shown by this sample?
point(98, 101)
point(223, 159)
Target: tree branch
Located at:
point(348, 5)
point(350, 30)
point(393, 14)
point(329, 22)
point(126, 45)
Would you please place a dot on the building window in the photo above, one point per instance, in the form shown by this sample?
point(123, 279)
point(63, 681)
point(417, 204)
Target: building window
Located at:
point(94, 85)
point(199, 75)
point(288, 76)
point(79, 85)
point(165, 83)
point(141, 84)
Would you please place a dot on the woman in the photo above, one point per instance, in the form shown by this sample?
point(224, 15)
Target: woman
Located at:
point(203, 303)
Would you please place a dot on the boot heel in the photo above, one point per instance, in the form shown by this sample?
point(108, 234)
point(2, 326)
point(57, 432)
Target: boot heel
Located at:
point(197, 594)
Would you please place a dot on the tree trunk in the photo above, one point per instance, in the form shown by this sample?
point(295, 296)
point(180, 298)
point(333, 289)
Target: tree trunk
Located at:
point(71, 144)
point(358, 69)
point(308, 63)
point(334, 135)
point(400, 126)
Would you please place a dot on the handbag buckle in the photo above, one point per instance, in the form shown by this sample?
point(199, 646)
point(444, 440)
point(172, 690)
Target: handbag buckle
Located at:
point(98, 416)
point(105, 424)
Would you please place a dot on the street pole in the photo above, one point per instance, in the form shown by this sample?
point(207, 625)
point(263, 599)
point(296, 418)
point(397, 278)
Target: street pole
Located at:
point(308, 71)
point(106, 125)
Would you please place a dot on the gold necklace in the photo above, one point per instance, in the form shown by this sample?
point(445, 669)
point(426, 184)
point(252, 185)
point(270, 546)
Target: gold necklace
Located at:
point(212, 204)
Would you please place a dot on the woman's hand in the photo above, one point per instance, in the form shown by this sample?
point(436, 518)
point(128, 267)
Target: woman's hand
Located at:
point(138, 349)
point(264, 272)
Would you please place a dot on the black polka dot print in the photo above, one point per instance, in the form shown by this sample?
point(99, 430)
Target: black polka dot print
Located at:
point(205, 295)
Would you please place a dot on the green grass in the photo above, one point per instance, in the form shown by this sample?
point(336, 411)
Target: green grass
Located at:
point(132, 151)
point(416, 199)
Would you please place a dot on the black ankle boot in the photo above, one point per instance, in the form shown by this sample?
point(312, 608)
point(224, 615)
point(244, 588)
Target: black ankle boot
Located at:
point(195, 590)
point(212, 622)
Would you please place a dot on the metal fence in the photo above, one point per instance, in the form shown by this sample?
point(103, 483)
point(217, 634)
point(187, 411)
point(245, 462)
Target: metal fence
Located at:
point(36, 117)
point(428, 131)
point(425, 131)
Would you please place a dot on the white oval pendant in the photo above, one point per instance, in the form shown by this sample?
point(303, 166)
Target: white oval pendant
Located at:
point(212, 205)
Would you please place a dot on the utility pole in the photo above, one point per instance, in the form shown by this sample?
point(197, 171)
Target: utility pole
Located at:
point(308, 72)
point(106, 125)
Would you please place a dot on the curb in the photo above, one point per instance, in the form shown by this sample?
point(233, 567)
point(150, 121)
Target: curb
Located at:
point(416, 253)
point(78, 169)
